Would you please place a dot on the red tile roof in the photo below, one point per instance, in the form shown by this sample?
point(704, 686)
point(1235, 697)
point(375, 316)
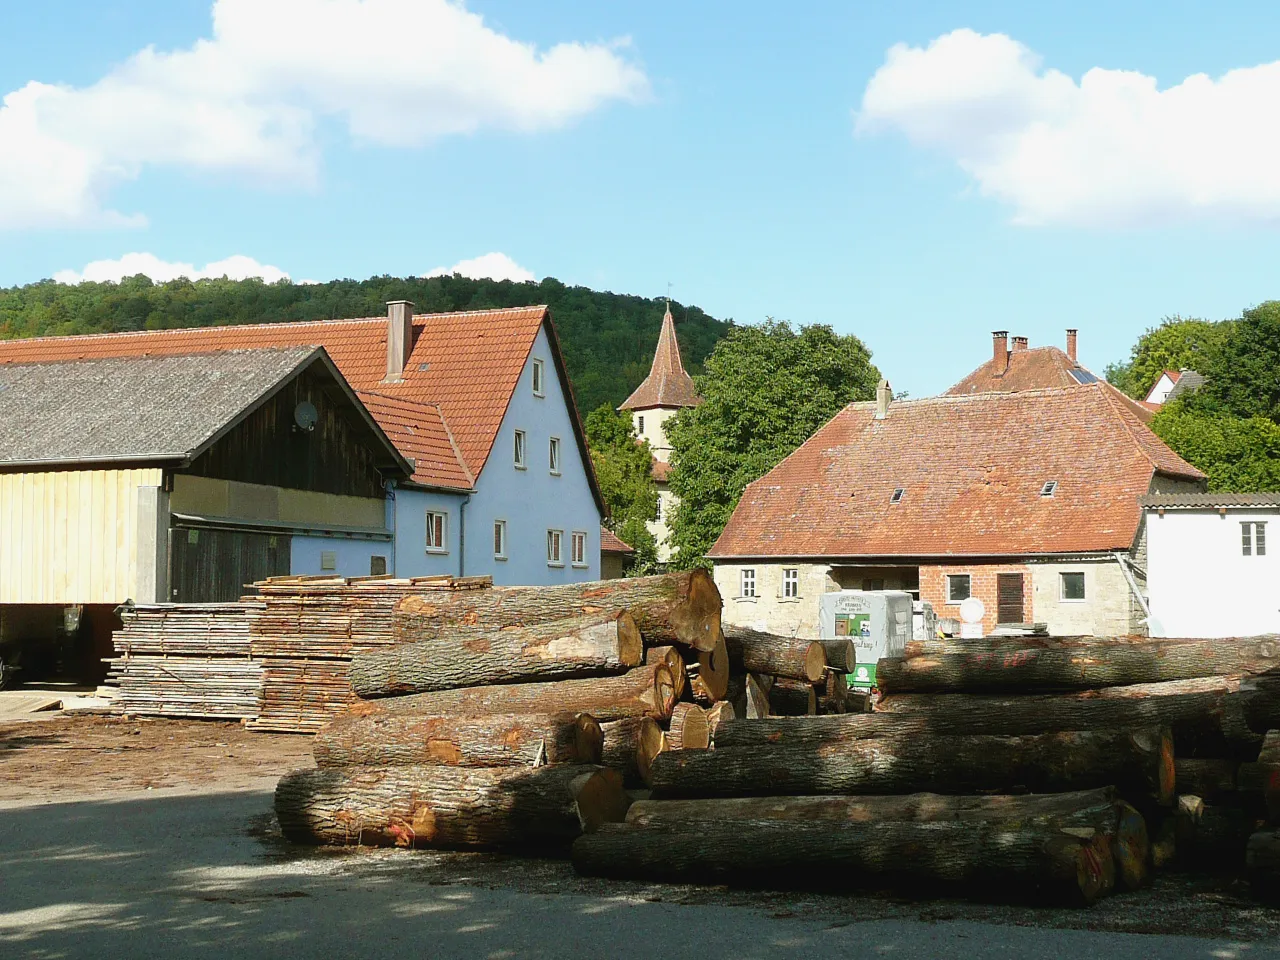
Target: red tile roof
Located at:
point(420, 433)
point(659, 470)
point(610, 543)
point(971, 468)
point(464, 365)
point(667, 384)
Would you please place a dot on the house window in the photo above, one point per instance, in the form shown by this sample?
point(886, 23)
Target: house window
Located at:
point(539, 386)
point(437, 530)
point(747, 583)
point(790, 583)
point(898, 495)
point(554, 539)
point(578, 549)
point(1049, 488)
point(657, 515)
point(553, 455)
point(871, 583)
point(499, 539)
point(959, 587)
point(519, 450)
point(1253, 539)
point(377, 566)
point(640, 425)
point(1072, 586)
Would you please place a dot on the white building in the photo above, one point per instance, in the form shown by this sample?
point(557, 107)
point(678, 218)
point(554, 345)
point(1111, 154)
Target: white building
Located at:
point(1210, 570)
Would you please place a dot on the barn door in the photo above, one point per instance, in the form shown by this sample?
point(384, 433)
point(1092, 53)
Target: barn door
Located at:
point(1009, 598)
point(213, 566)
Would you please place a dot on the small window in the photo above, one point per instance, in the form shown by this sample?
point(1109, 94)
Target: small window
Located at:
point(640, 424)
point(519, 450)
point(437, 531)
point(554, 540)
point(1253, 539)
point(790, 583)
point(870, 583)
point(553, 455)
point(1050, 486)
point(328, 560)
point(959, 587)
point(1072, 586)
point(499, 539)
point(657, 513)
point(377, 566)
point(539, 385)
point(898, 494)
point(578, 549)
point(747, 583)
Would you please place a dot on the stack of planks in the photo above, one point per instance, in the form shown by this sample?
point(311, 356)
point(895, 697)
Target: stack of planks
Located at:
point(512, 718)
point(186, 660)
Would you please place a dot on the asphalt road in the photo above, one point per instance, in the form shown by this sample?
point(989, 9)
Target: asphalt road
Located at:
point(174, 877)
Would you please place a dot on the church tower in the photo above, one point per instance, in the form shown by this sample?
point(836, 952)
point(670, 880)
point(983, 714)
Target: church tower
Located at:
point(667, 388)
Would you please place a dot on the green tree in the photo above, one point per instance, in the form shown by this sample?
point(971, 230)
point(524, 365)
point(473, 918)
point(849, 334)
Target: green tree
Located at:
point(1240, 454)
point(1176, 344)
point(623, 470)
point(1243, 375)
point(765, 390)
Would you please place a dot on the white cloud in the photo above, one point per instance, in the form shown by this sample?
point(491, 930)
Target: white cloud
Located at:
point(237, 267)
point(491, 266)
point(1110, 150)
point(246, 101)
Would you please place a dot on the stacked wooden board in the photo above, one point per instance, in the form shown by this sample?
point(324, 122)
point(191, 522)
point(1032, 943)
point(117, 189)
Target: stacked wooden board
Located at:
point(508, 718)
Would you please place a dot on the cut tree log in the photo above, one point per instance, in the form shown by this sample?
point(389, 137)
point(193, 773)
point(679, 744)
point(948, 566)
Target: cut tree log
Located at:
point(681, 608)
point(462, 656)
point(1206, 711)
point(1209, 779)
point(749, 699)
point(980, 858)
point(840, 654)
point(818, 732)
point(1078, 668)
point(448, 807)
point(935, 647)
point(800, 760)
point(689, 728)
point(717, 714)
point(353, 739)
point(630, 746)
point(644, 691)
point(675, 663)
point(709, 679)
point(1262, 863)
point(830, 706)
point(1262, 776)
point(792, 698)
point(1211, 836)
point(774, 655)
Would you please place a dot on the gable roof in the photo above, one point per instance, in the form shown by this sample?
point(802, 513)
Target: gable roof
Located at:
point(972, 469)
point(421, 434)
point(668, 385)
point(464, 364)
point(610, 542)
point(158, 409)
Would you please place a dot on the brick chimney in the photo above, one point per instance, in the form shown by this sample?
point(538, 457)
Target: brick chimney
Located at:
point(399, 338)
point(884, 395)
point(1019, 343)
point(1000, 351)
point(1071, 344)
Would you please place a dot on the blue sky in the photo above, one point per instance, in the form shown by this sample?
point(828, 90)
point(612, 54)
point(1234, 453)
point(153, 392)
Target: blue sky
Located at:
point(766, 159)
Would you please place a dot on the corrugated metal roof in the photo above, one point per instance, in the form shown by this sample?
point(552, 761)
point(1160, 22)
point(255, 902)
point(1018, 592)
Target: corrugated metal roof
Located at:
point(1212, 501)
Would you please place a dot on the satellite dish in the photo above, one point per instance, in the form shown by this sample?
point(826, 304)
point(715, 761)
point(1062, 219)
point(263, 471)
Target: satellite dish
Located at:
point(305, 415)
point(972, 610)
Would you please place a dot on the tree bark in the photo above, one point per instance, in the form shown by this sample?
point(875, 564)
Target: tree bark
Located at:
point(448, 807)
point(493, 741)
point(792, 698)
point(709, 682)
point(681, 608)
point(840, 654)
point(644, 691)
point(982, 858)
point(1211, 836)
point(1209, 779)
point(801, 760)
point(630, 746)
point(934, 647)
point(1078, 668)
point(777, 656)
point(689, 728)
point(463, 656)
point(750, 702)
point(675, 663)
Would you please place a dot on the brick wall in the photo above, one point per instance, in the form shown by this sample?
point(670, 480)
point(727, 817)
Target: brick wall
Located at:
point(982, 584)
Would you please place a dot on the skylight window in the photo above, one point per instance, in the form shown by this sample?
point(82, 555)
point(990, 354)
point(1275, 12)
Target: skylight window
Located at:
point(898, 495)
point(1080, 375)
point(1049, 488)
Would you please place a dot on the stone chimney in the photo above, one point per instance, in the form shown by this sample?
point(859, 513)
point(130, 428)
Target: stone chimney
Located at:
point(1071, 344)
point(884, 395)
point(1019, 343)
point(1000, 351)
point(399, 338)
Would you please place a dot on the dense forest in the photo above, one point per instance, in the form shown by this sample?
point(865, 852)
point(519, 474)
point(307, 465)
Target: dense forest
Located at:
point(608, 339)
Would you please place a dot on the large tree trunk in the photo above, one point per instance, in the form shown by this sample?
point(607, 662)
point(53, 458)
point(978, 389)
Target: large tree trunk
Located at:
point(792, 698)
point(1211, 836)
point(1207, 711)
point(748, 697)
point(801, 760)
point(1209, 779)
point(935, 647)
point(451, 807)
point(709, 679)
point(980, 859)
point(777, 656)
point(463, 656)
point(491, 741)
point(644, 691)
point(630, 746)
point(679, 608)
point(1263, 775)
point(1078, 668)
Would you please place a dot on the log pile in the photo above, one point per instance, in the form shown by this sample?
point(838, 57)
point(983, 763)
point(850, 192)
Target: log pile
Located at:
point(773, 675)
point(510, 718)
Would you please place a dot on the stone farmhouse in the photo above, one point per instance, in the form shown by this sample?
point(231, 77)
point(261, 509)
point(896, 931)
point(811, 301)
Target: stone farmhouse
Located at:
point(1021, 486)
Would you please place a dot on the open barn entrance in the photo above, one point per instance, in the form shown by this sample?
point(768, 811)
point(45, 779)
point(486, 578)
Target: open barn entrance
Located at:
point(43, 643)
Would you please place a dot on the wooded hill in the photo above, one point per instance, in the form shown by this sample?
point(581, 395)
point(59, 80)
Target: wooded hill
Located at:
point(608, 339)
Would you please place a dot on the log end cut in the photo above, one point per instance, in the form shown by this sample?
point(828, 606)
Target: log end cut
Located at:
point(600, 799)
point(630, 643)
point(588, 739)
point(815, 663)
point(690, 729)
point(697, 619)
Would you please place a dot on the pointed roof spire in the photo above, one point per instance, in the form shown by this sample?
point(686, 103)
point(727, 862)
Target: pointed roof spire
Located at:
point(667, 384)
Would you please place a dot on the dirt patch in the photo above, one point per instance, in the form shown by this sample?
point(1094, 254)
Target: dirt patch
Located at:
point(67, 756)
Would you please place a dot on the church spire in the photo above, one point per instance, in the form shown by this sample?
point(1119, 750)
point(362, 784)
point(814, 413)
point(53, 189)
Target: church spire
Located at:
point(668, 385)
